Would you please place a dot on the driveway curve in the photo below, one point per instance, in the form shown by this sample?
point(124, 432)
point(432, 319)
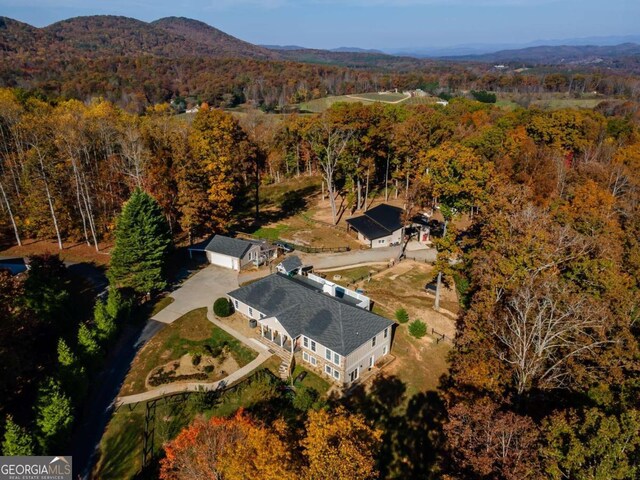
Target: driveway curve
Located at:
point(200, 290)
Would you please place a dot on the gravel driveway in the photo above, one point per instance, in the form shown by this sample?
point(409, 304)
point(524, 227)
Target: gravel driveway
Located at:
point(201, 290)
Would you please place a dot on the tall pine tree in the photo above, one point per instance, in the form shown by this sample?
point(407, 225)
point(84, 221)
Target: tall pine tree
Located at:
point(143, 241)
point(17, 441)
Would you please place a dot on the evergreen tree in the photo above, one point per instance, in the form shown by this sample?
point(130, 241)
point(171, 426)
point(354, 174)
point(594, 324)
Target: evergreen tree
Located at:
point(17, 441)
point(87, 341)
point(105, 323)
point(46, 287)
point(54, 415)
point(66, 358)
point(116, 306)
point(71, 372)
point(142, 243)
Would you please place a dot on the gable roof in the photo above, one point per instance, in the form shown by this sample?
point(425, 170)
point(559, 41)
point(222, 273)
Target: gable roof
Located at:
point(233, 247)
point(291, 263)
point(378, 222)
point(303, 309)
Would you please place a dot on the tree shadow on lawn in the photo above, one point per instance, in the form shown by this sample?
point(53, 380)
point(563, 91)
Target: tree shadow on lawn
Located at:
point(291, 203)
point(412, 438)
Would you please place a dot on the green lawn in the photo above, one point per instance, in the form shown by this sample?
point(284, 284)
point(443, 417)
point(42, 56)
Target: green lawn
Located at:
point(272, 233)
point(160, 304)
point(120, 450)
point(312, 380)
point(189, 333)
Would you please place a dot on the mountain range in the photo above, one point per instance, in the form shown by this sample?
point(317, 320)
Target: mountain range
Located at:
point(177, 37)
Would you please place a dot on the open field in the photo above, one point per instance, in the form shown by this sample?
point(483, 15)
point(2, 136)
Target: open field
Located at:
point(192, 332)
point(381, 97)
point(319, 105)
point(551, 101)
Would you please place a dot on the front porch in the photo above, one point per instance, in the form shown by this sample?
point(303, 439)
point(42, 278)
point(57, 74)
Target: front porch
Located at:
point(277, 338)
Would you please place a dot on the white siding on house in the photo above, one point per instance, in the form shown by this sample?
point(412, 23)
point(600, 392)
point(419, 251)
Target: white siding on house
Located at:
point(395, 237)
point(361, 356)
point(252, 255)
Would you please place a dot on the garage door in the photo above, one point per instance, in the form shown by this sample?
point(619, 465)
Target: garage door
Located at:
point(221, 260)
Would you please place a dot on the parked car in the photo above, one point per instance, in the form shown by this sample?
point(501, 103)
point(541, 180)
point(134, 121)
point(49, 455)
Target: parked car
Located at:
point(284, 246)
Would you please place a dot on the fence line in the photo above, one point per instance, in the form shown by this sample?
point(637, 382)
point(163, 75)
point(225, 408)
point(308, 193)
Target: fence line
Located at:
point(440, 336)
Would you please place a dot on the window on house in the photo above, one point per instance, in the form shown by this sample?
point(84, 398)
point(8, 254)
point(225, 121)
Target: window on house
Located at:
point(381, 241)
point(384, 350)
point(250, 312)
point(313, 360)
point(327, 354)
point(386, 332)
point(327, 369)
point(305, 356)
point(305, 342)
point(336, 358)
point(313, 346)
point(373, 342)
point(235, 302)
point(336, 374)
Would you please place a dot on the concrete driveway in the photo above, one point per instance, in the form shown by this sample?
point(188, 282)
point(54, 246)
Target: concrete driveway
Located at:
point(354, 257)
point(201, 290)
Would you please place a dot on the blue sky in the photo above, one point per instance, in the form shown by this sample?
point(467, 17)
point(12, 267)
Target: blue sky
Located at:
point(365, 23)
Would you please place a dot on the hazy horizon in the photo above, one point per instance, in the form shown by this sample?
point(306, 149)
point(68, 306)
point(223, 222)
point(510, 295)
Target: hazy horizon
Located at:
point(398, 24)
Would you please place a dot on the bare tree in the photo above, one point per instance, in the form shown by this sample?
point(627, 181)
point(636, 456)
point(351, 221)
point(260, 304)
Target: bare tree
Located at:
point(330, 142)
point(542, 327)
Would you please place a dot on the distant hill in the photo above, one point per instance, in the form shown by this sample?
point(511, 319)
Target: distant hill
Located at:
point(217, 42)
point(561, 54)
point(105, 35)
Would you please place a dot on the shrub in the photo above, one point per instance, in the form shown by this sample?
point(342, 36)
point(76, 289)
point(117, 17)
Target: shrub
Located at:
point(305, 398)
point(208, 368)
point(195, 360)
point(222, 307)
point(402, 316)
point(418, 328)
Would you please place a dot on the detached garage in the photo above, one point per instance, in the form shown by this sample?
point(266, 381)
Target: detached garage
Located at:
point(232, 253)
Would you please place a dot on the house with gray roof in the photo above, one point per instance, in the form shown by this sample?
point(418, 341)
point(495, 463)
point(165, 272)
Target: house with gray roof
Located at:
point(330, 330)
point(233, 253)
point(290, 265)
point(381, 226)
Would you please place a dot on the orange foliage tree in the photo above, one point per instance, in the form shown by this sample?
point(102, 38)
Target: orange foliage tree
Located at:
point(234, 448)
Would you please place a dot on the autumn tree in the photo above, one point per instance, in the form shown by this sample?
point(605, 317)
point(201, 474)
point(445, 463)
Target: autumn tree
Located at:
point(485, 441)
point(592, 445)
point(234, 448)
point(221, 154)
point(340, 445)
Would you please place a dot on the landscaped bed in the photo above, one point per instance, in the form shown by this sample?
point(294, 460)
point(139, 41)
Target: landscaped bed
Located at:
point(190, 335)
